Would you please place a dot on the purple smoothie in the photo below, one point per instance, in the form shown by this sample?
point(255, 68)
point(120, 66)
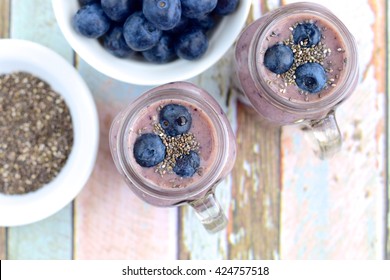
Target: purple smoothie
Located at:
point(276, 97)
point(330, 52)
point(203, 136)
point(210, 136)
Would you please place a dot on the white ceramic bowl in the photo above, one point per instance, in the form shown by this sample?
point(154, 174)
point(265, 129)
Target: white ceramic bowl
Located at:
point(141, 72)
point(20, 55)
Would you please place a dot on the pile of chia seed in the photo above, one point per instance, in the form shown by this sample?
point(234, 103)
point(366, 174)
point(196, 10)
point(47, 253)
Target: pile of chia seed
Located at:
point(36, 133)
point(176, 147)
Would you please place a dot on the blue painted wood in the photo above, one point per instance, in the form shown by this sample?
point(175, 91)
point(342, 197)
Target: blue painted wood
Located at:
point(50, 238)
point(4, 33)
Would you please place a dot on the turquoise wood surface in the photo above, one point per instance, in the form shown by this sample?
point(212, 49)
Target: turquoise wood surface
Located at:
point(51, 238)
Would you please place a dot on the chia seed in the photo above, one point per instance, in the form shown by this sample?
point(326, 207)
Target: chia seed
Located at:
point(36, 133)
point(175, 148)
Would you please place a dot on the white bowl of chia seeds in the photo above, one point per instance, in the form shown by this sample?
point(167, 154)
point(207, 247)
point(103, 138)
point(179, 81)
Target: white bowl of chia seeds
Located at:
point(49, 132)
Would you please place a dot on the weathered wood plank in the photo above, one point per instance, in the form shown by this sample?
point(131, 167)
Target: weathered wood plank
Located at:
point(335, 209)
point(35, 21)
point(110, 221)
point(388, 140)
point(50, 238)
point(4, 18)
point(241, 240)
point(254, 232)
point(3, 243)
point(195, 242)
point(4, 33)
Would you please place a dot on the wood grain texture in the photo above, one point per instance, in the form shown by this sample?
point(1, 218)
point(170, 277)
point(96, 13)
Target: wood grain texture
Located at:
point(387, 253)
point(254, 231)
point(4, 18)
point(3, 243)
point(335, 209)
point(242, 189)
point(35, 21)
point(195, 242)
point(50, 238)
point(4, 33)
point(110, 221)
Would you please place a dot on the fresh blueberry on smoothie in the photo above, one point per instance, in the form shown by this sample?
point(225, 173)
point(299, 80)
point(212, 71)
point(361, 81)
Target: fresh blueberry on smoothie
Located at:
point(307, 34)
point(149, 150)
point(310, 77)
point(278, 58)
point(187, 165)
point(175, 119)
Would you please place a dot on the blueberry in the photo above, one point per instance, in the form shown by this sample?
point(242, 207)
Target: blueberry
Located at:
point(86, 2)
point(139, 33)
point(192, 44)
point(149, 150)
point(206, 22)
point(197, 8)
point(164, 14)
point(306, 34)
point(115, 43)
point(162, 52)
point(180, 27)
point(118, 10)
point(278, 58)
point(175, 119)
point(187, 165)
point(310, 77)
point(91, 21)
point(225, 7)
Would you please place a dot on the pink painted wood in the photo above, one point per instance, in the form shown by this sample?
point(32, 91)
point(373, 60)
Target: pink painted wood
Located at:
point(335, 209)
point(110, 221)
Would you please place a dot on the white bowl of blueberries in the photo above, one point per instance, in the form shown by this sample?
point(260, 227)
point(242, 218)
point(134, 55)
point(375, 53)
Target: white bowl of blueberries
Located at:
point(151, 42)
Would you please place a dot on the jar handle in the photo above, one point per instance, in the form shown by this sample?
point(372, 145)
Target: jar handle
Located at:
point(326, 135)
point(210, 213)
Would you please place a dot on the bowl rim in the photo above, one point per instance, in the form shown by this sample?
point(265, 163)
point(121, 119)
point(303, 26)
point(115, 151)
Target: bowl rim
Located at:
point(144, 73)
point(37, 59)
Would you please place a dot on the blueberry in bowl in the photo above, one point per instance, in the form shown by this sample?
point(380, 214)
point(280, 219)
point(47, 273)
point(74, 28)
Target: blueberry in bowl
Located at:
point(91, 21)
point(164, 14)
point(118, 10)
point(197, 8)
point(115, 43)
point(139, 33)
point(162, 52)
point(156, 68)
point(192, 44)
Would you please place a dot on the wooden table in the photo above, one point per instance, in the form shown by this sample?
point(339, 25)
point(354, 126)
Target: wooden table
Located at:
point(282, 202)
